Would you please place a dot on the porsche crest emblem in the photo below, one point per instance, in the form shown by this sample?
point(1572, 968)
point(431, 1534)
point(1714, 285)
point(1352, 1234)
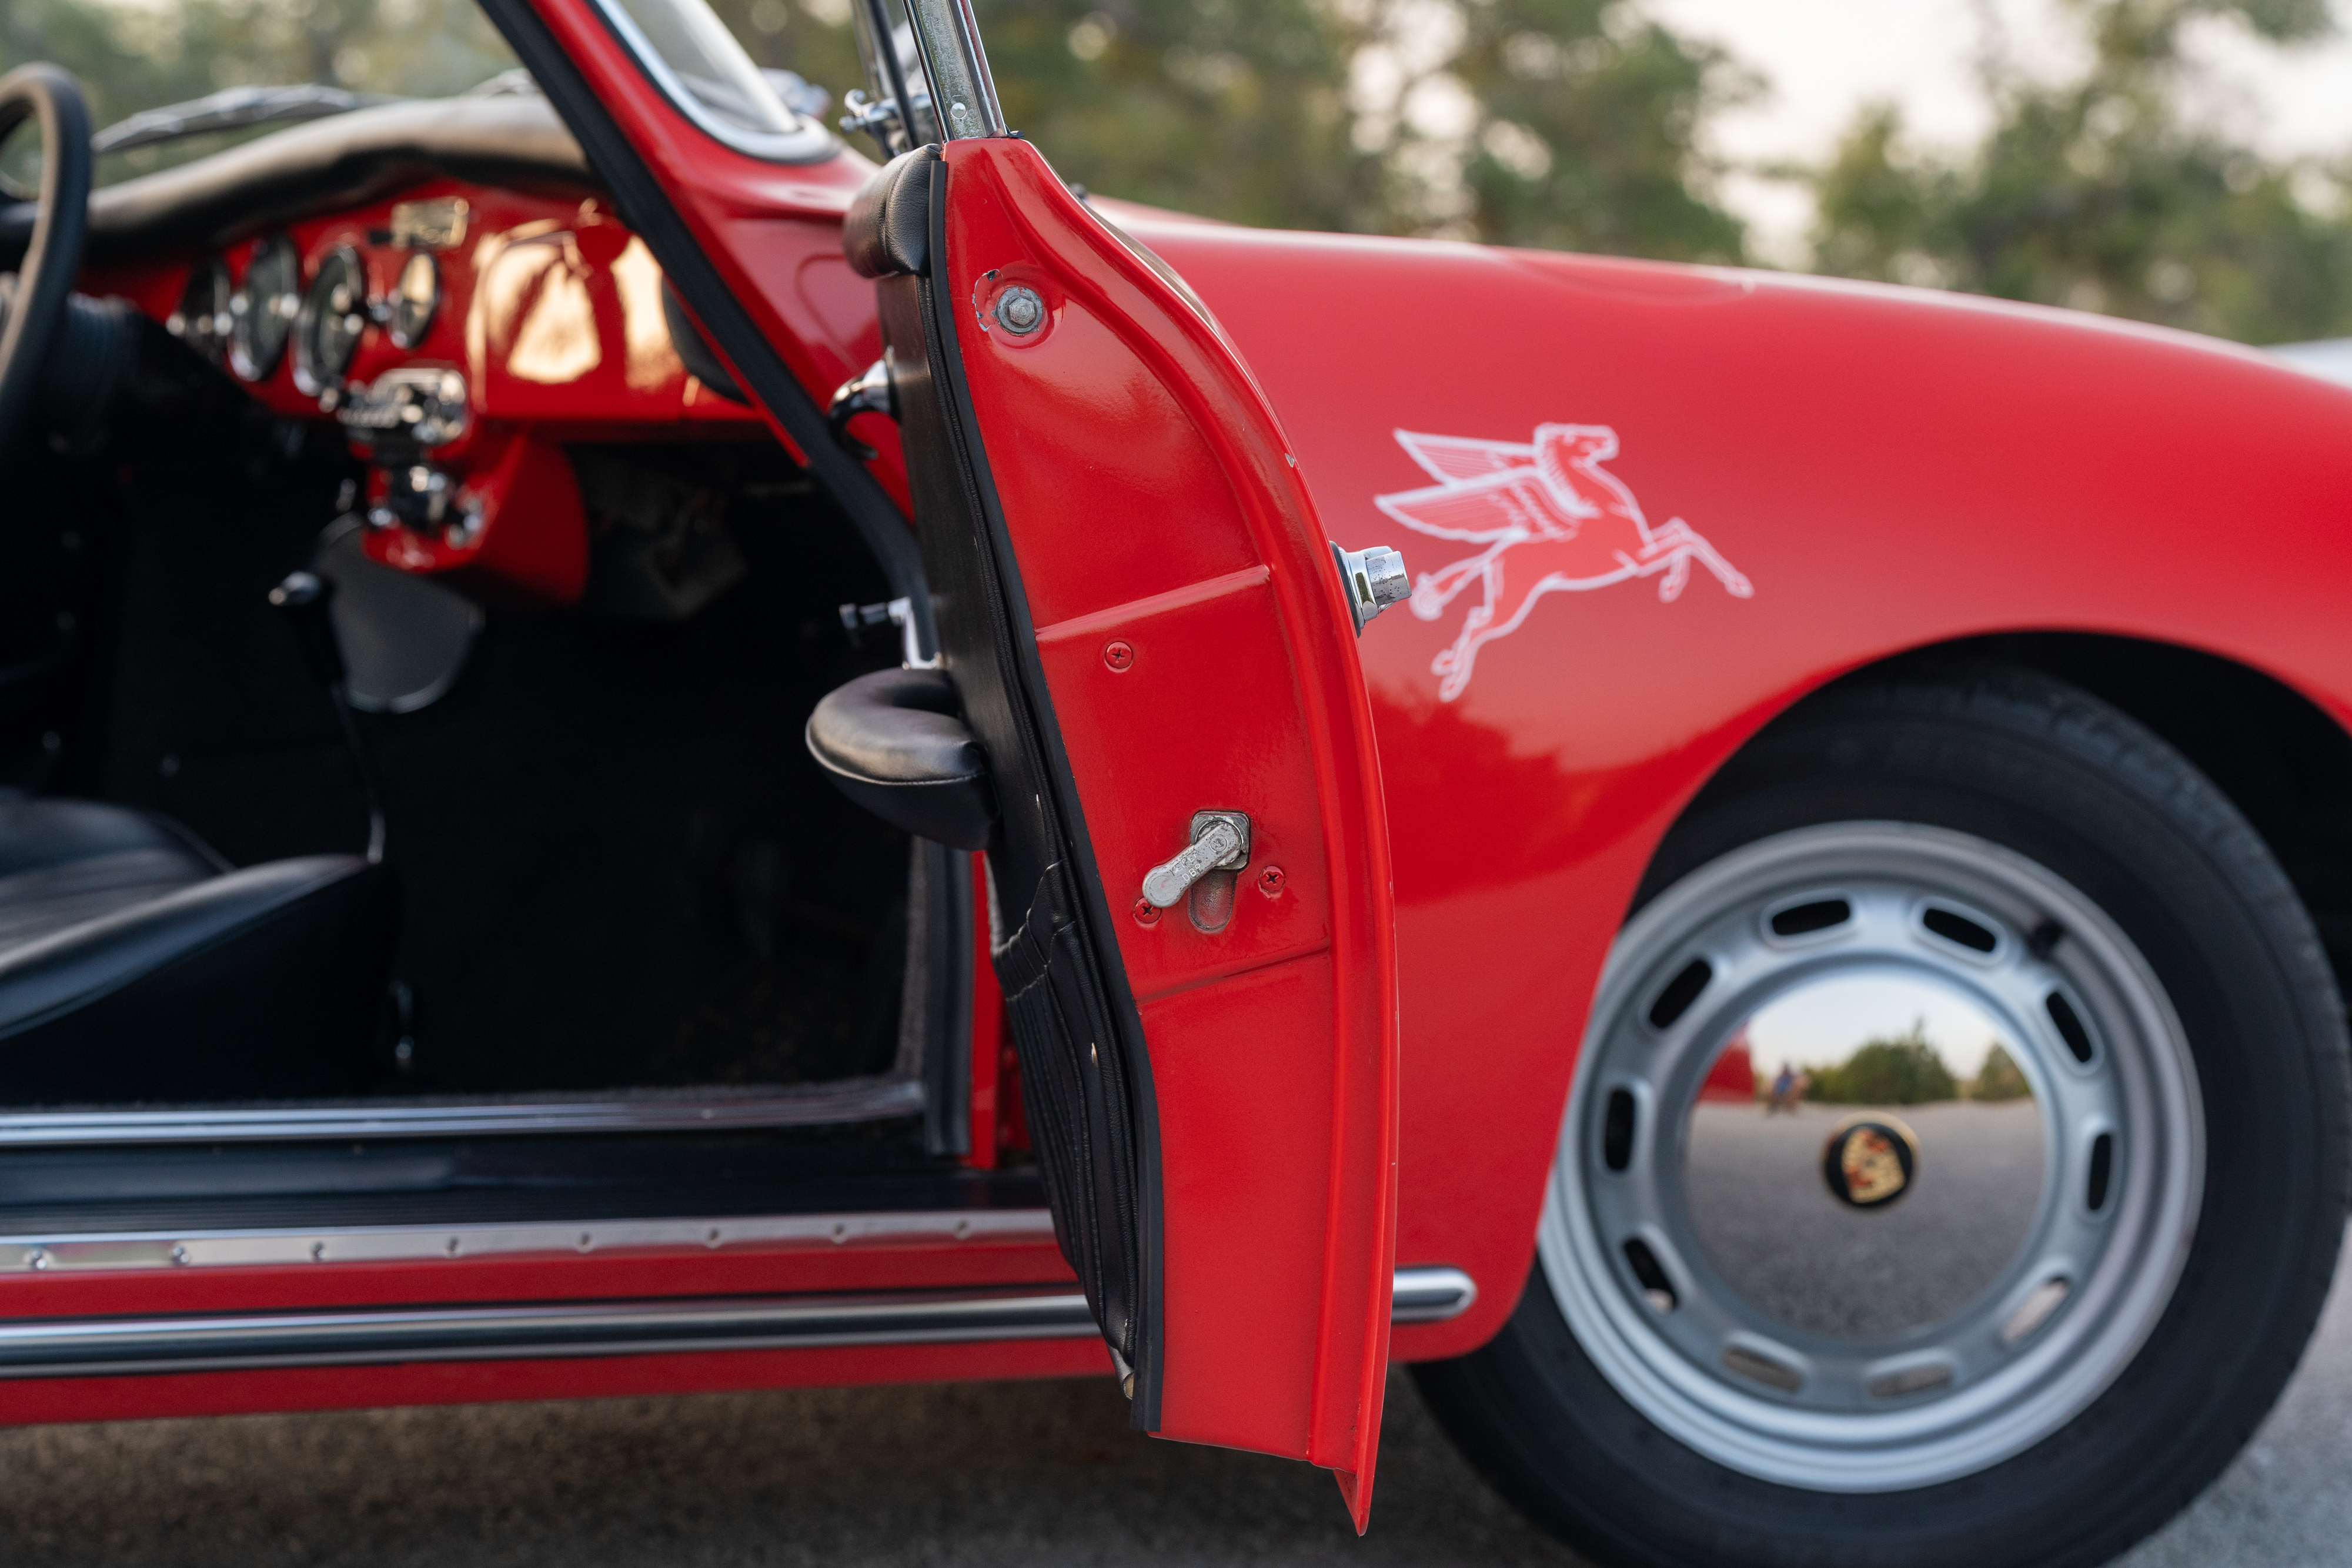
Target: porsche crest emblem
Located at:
point(1870, 1161)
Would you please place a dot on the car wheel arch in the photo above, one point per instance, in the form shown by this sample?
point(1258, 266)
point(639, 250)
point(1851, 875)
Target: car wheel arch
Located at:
point(2272, 750)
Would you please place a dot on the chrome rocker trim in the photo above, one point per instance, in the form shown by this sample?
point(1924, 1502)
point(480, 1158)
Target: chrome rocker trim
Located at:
point(108, 1346)
point(90, 1347)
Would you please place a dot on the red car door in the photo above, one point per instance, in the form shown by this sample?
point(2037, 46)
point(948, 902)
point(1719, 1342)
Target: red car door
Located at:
point(1149, 636)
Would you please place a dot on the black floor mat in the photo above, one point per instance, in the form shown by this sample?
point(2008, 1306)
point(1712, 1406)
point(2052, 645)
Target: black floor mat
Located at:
point(621, 868)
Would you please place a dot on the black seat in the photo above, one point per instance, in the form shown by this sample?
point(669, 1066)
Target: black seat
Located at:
point(137, 965)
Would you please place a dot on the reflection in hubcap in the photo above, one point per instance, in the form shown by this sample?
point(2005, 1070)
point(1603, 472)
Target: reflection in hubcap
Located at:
point(1882, 1158)
point(1793, 1189)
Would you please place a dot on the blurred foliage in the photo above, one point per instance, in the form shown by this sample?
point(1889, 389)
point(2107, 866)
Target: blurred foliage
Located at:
point(1999, 1079)
point(1556, 123)
point(1903, 1070)
point(1552, 122)
point(2104, 193)
point(1569, 123)
point(1556, 158)
point(132, 55)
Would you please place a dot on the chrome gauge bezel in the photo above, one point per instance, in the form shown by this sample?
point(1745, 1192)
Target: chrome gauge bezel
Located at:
point(412, 315)
point(202, 316)
point(312, 374)
point(260, 326)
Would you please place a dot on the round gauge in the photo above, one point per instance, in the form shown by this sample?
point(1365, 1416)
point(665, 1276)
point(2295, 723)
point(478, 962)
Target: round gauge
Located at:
point(414, 298)
point(202, 317)
point(262, 310)
point(333, 315)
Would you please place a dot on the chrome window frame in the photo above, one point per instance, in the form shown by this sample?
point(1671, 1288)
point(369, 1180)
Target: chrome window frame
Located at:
point(811, 143)
point(963, 92)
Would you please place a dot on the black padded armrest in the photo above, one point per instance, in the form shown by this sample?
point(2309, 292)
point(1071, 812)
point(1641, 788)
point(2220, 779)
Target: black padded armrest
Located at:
point(887, 231)
point(895, 742)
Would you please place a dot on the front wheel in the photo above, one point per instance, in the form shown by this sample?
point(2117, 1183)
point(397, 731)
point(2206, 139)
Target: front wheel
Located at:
point(1955, 1167)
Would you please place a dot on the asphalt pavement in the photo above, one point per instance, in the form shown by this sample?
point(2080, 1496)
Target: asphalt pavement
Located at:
point(1769, 1222)
point(1040, 1474)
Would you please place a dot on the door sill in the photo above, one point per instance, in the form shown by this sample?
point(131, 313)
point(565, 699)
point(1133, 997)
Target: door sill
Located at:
point(1425, 1294)
point(97, 1251)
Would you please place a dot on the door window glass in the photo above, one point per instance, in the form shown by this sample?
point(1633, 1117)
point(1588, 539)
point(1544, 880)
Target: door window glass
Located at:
point(688, 50)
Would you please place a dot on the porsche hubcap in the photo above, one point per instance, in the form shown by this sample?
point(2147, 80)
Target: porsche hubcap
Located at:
point(1883, 1159)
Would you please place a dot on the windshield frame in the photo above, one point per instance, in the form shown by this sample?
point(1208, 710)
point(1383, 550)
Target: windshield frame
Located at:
point(809, 143)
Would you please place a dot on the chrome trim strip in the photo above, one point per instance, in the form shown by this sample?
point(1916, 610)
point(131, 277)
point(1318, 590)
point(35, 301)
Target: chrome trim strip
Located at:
point(424, 1243)
point(1431, 1295)
point(94, 1347)
point(869, 1101)
point(1428, 1294)
point(90, 1347)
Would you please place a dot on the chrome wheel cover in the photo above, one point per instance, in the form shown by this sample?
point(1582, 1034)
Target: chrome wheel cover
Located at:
point(2005, 1357)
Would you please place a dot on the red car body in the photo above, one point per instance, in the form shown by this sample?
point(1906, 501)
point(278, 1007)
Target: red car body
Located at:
point(1782, 480)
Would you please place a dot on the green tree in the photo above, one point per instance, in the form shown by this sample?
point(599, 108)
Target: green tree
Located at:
point(1900, 1070)
point(2102, 194)
point(1586, 123)
point(1216, 107)
point(1999, 1079)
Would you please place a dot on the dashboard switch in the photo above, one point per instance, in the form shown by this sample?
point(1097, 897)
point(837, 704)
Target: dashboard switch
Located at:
point(417, 404)
point(415, 495)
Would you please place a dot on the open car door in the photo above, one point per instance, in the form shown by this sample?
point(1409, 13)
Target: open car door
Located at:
point(1144, 630)
point(1146, 708)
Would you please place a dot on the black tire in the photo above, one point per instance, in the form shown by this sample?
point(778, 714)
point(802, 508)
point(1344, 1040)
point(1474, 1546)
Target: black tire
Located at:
point(2057, 776)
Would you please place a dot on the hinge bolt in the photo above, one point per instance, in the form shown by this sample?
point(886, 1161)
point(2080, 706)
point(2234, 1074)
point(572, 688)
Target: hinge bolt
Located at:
point(1020, 310)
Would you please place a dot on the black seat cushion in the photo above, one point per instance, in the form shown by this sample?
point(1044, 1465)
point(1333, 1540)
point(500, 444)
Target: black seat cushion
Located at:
point(64, 861)
point(135, 966)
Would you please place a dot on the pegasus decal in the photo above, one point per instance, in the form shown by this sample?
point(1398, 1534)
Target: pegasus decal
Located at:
point(1574, 525)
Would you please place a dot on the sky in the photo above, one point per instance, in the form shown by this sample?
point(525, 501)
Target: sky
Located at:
point(1826, 58)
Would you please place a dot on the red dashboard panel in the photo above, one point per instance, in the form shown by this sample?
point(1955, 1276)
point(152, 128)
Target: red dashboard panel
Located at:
point(461, 335)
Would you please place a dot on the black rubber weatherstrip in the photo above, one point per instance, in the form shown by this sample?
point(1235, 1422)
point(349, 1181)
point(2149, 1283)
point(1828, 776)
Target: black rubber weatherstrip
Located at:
point(647, 209)
point(1094, 915)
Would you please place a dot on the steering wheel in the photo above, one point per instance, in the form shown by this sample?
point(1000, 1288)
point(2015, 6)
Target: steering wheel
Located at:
point(45, 282)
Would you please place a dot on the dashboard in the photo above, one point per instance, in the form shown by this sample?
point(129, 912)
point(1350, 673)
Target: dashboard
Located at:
point(446, 280)
point(461, 335)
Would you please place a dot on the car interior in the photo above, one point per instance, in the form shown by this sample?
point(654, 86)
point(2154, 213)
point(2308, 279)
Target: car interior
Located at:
point(407, 634)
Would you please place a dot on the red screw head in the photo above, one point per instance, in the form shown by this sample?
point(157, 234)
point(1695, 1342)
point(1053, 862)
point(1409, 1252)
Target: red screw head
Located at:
point(1119, 654)
point(1146, 912)
point(1270, 881)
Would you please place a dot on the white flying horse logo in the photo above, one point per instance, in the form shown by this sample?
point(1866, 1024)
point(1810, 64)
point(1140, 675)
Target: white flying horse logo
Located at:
point(1573, 524)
